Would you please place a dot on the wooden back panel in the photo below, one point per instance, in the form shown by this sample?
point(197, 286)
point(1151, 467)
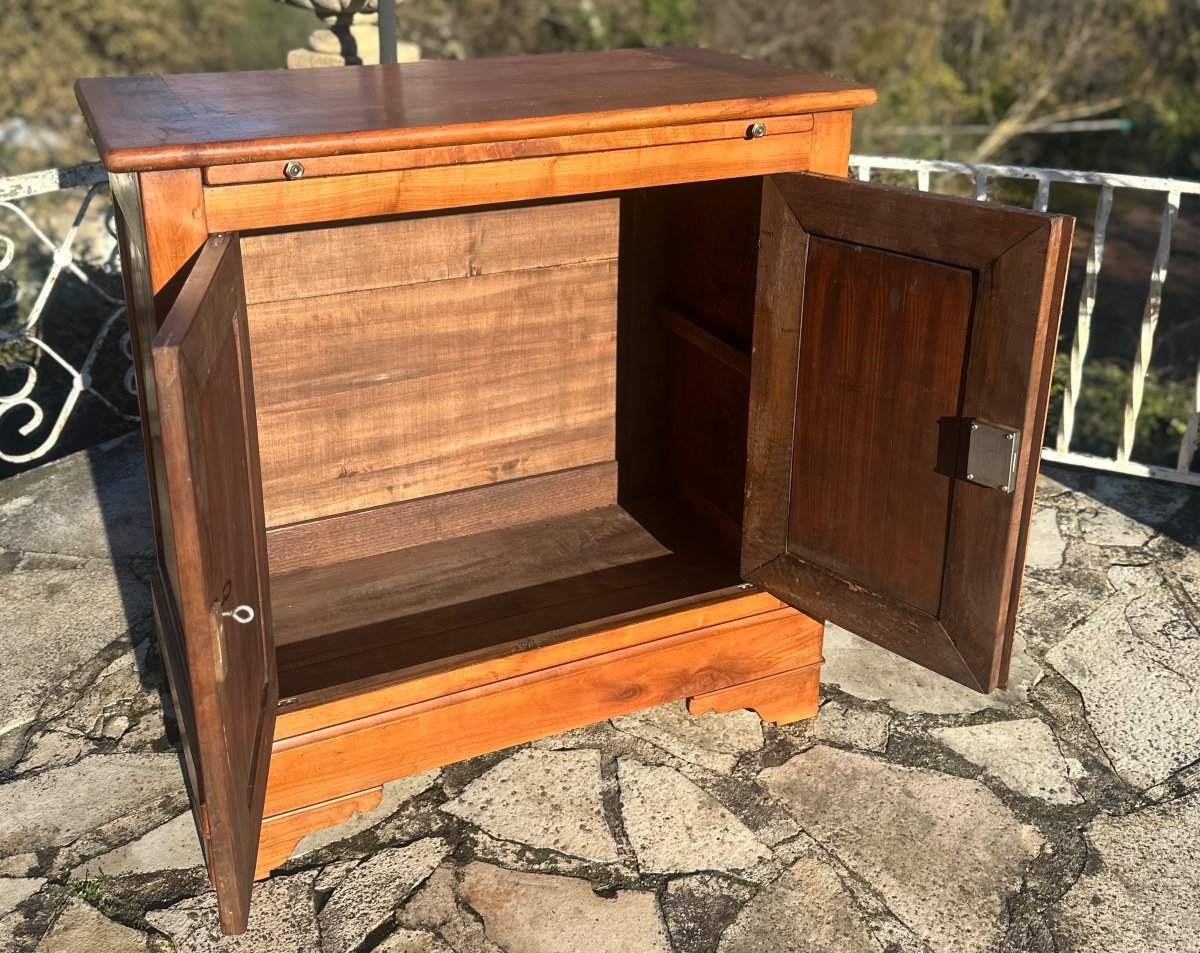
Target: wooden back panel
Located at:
point(399, 359)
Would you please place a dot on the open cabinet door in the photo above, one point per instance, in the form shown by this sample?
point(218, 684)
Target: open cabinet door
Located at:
point(903, 347)
point(210, 448)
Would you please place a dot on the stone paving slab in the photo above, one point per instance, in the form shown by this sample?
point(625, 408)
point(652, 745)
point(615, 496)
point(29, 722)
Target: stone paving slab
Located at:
point(912, 816)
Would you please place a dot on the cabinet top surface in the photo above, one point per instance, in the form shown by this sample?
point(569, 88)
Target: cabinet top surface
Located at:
point(145, 123)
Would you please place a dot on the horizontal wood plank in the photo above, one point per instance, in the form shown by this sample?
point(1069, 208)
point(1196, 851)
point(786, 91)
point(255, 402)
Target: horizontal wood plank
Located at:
point(783, 699)
point(718, 609)
point(737, 361)
point(395, 393)
point(287, 264)
point(312, 768)
point(282, 834)
point(491, 151)
point(324, 600)
point(435, 603)
point(304, 201)
point(382, 529)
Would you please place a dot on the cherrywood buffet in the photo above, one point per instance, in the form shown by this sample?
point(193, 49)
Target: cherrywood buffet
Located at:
point(485, 400)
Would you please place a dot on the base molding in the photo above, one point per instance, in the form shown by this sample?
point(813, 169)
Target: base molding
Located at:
point(782, 699)
point(768, 661)
point(282, 833)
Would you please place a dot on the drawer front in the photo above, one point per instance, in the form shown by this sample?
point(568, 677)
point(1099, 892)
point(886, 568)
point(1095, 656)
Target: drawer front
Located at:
point(321, 166)
point(335, 197)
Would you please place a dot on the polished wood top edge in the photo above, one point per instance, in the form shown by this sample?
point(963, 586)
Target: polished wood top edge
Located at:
point(201, 155)
point(156, 122)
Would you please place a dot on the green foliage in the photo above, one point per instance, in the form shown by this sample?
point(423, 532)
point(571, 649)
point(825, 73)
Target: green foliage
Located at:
point(1100, 413)
point(667, 23)
point(473, 28)
point(92, 890)
point(1007, 64)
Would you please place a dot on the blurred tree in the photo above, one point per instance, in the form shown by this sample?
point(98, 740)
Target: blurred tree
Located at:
point(464, 29)
point(44, 47)
point(1014, 65)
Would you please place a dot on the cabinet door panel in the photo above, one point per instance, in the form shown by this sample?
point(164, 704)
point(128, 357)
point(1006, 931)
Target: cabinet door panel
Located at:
point(888, 323)
point(210, 448)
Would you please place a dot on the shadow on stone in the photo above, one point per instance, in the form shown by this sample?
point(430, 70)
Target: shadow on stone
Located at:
point(1166, 509)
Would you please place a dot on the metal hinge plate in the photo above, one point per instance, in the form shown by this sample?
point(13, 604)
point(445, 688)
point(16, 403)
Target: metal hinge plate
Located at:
point(992, 455)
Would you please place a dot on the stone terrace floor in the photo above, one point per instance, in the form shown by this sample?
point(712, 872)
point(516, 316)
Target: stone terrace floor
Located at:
point(911, 815)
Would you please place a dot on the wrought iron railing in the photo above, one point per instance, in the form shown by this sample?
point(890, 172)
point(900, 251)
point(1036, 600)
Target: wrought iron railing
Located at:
point(23, 332)
point(89, 180)
point(981, 179)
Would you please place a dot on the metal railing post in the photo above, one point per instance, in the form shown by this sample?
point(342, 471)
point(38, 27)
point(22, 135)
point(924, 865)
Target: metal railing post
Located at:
point(979, 177)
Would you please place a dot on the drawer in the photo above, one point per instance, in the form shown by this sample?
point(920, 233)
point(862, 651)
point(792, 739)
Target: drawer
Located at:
point(321, 166)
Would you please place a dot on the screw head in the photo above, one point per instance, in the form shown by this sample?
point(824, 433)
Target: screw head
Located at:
point(757, 130)
point(1005, 488)
point(1008, 437)
point(970, 476)
point(293, 170)
point(974, 426)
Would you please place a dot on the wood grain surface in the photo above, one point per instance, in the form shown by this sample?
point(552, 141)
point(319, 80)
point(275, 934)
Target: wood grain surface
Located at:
point(947, 598)
point(400, 391)
point(443, 728)
point(206, 408)
point(879, 385)
point(735, 129)
point(282, 834)
point(429, 519)
point(161, 122)
point(373, 617)
point(283, 264)
point(782, 699)
point(305, 201)
point(325, 716)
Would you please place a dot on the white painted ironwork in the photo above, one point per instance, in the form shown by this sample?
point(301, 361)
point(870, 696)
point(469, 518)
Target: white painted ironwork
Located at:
point(980, 177)
point(25, 399)
point(1187, 447)
point(1083, 326)
point(1141, 360)
point(90, 177)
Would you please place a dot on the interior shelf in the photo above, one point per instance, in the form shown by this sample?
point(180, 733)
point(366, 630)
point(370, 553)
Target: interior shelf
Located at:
point(419, 608)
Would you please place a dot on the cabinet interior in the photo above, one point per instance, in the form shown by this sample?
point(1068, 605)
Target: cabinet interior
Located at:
point(493, 428)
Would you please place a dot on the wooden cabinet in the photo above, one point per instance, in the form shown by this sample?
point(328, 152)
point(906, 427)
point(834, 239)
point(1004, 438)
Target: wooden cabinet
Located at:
point(486, 400)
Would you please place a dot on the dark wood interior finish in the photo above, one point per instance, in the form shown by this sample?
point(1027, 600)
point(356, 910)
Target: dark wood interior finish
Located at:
point(712, 256)
point(880, 380)
point(1015, 259)
point(706, 306)
point(367, 620)
point(706, 440)
point(160, 122)
point(641, 345)
point(363, 596)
